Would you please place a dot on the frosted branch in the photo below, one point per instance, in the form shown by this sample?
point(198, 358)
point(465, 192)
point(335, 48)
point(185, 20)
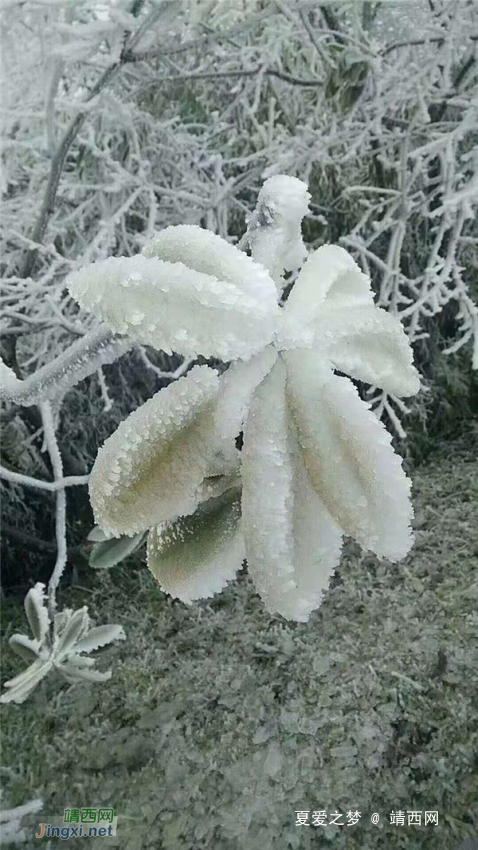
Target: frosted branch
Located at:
point(83, 358)
point(60, 523)
point(38, 484)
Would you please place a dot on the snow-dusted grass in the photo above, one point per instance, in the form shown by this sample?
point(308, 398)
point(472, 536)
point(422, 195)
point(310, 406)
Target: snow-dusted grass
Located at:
point(221, 721)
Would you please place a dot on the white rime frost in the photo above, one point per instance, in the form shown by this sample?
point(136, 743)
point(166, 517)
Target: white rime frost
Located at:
point(369, 344)
point(237, 387)
point(195, 556)
point(274, 229)
point(348, 454)
point(292, 543)
point(331, 309)
point(150, 469)
point(329, 272)
point(203, 295)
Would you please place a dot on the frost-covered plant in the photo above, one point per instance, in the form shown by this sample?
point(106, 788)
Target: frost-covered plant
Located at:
point(11, 831)
point(316, 463)
point(58, 644)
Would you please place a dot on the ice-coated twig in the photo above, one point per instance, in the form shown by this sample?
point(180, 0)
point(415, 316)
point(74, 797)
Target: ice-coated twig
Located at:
point(60, 523)
point(38, 484)
point(83, 358)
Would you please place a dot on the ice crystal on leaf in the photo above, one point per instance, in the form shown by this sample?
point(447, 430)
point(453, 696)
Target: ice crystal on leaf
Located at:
point(162, 449)
point(316, 463)
point(189, 292)
point(196, 555)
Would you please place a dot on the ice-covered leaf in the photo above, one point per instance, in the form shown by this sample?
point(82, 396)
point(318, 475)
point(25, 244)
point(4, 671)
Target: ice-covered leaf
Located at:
point(332, 276)
point(369, 344)
point(193, 294)
point(236, 388)
point(60, 621)
point(25, 647)
point(21, 686)
point(349, 457)
point(100, 636)
point(36, 611)
point(209, 254)
point(215, 485)
point(74, 673)
point(97, 535)
point(292, 543)
point(149, 470)
point(292, 331)
point(195, 556)
point(74, 629)
point(317, 542)
point(110, 552)
point(267, 484)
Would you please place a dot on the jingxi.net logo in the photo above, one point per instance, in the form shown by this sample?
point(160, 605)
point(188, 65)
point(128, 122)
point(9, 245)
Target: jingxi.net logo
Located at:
point(80, 823)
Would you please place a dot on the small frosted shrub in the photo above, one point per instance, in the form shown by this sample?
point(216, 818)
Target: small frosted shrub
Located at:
point(60, 644)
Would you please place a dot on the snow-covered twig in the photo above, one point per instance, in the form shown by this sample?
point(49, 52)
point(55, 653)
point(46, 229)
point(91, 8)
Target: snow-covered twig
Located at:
point(80, 360)
point(60, 523)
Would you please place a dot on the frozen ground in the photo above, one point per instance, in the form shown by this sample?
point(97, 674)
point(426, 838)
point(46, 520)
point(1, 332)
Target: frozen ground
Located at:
point(221, 721)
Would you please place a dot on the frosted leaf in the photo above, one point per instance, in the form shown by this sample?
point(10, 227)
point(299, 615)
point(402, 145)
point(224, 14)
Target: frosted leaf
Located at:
point(195, 556)
point(149, 470)
point(369, 344)
point(214, 486)
point(21, 686)
point(74, 629)
point(107, 553)
point(267, 484)
point(317, 543)
point(329, 274)
point(96, 535)
point(349, 457)
point(292, 543)
point(292, 332)
point(100, 636)
point(73, 673)
point(36, 611)
point(274, 229)
point(25, 647)
point(210, 255)
point(175, 308)
point(236, 388)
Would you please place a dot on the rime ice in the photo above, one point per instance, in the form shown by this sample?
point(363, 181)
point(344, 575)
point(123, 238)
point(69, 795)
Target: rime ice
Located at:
point(189, 292)
point(274, 232)
point(152, 466)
